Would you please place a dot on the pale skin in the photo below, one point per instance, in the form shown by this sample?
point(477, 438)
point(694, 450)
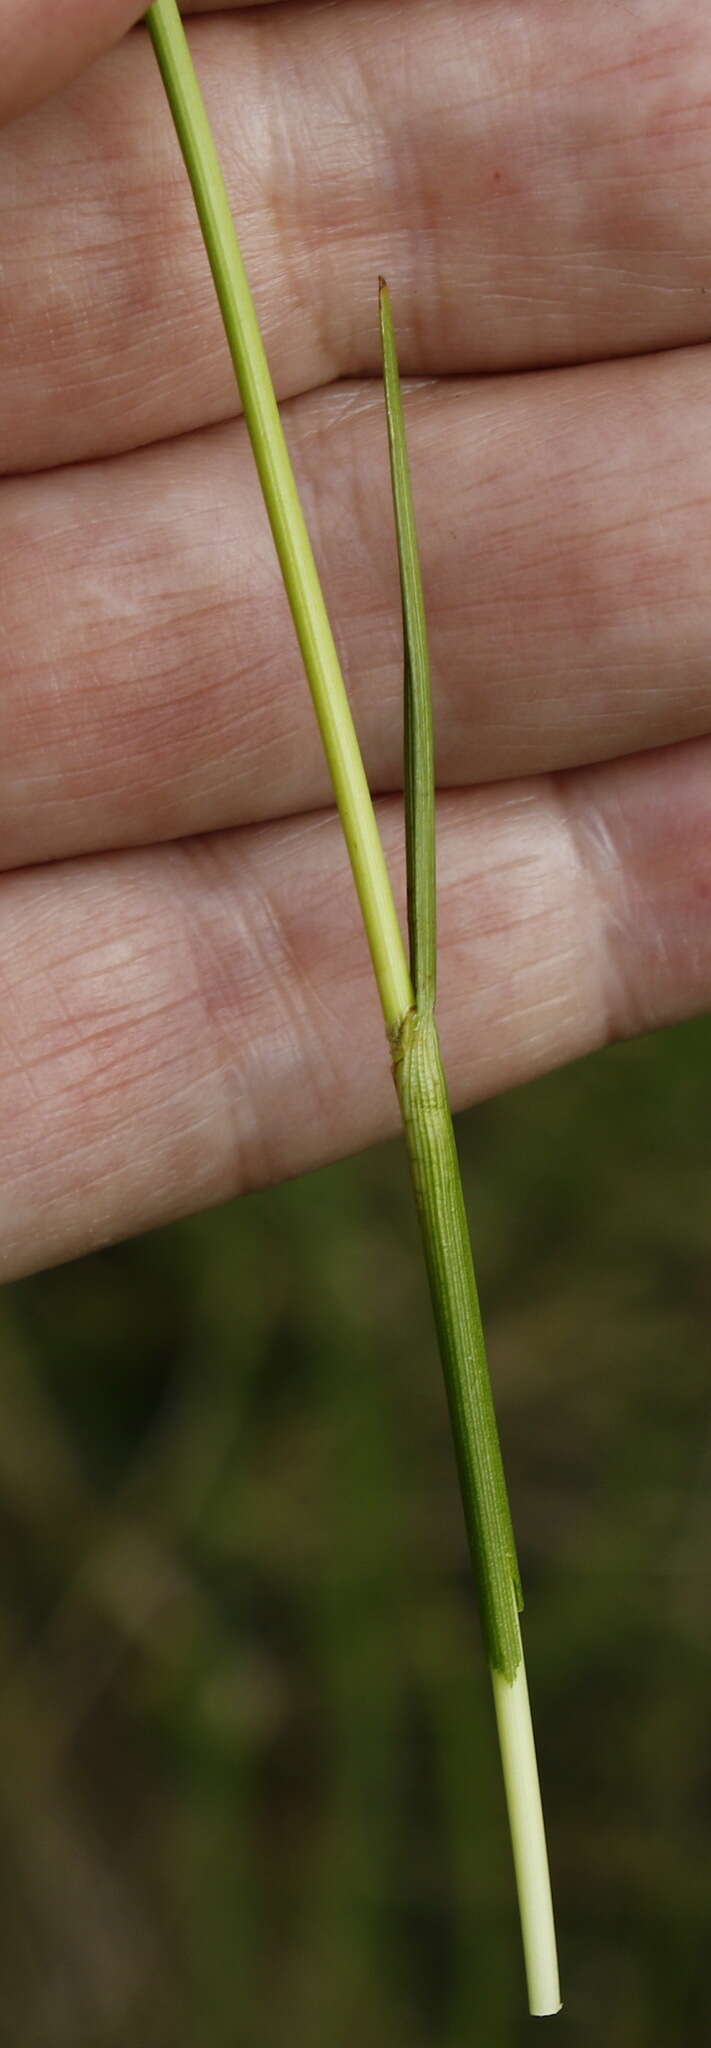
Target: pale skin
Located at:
point(186, 1003)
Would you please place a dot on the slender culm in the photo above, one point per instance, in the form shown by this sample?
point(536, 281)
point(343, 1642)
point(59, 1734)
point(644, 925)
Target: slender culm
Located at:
point(407, 990)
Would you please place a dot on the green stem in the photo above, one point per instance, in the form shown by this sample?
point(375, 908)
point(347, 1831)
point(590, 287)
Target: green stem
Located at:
point(285, 515)
point(409, 1020)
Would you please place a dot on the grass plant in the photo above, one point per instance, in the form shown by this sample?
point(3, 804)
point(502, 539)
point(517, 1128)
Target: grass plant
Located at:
point(407, 989)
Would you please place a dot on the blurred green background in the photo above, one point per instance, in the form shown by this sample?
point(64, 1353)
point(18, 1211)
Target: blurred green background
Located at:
point(249, 1787)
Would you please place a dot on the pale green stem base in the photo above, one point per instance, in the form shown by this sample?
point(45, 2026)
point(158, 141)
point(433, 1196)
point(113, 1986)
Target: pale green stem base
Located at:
point(528, 1840)
point(422, 1090)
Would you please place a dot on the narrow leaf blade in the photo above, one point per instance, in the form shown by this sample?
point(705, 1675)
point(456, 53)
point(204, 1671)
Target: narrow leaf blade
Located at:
point(419, 728)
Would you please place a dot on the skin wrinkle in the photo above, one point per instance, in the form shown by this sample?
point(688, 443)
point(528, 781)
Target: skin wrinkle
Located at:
point(258, 969)
point(41, 45)
point(499, 858)
point(551, 641)
point(209, 972)
point(99, 1112)
point(598, 871)
point(110, 318)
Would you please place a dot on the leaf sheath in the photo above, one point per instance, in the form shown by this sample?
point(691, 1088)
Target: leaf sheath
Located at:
point(427, 1120)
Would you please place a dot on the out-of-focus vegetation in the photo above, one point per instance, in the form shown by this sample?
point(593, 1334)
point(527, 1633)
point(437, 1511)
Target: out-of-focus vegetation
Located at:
point(249, 1788)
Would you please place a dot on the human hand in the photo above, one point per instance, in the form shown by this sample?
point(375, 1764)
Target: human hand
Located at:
point(187, 1001)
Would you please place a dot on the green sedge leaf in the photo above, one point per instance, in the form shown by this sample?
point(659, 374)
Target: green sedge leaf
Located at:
point(419, 727)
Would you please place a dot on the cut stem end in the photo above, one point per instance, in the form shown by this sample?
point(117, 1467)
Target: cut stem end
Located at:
point(528, 1839)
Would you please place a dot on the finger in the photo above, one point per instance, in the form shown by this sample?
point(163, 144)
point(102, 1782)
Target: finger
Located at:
point(150, 683)
point(536, 190)
point(185, 1023)
point(42, 46)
